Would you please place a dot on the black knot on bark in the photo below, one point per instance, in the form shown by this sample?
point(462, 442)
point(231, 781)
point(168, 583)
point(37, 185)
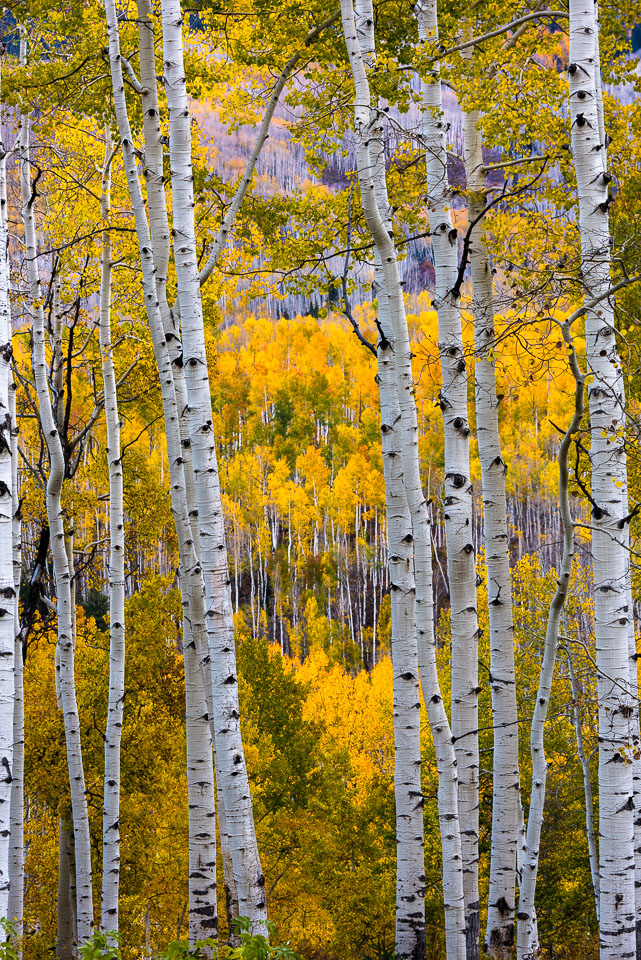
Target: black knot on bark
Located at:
point(456, 479)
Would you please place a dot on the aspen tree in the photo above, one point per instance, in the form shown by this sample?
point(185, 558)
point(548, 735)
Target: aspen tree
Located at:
point(8, 626)
point(610, 516)
point(593, 852)
point(458, 487)
point(15, 908)
point(203, 913)
point(499, 937)
point(55, 516)
point(203, 916)
point(230, 756)
point(113, 731)
point(407, 522)
point(527, 930)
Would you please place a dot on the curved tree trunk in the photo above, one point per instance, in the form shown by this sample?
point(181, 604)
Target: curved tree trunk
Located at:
point(55, 516)
point(609, 495)
point(202, 915)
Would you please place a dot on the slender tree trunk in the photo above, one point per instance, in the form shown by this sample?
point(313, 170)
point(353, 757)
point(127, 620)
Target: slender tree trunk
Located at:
point(203, 915)
point(400, 442)
point(499, 936)
point(587, 783)
point(610, 560)
point(458, 488)
point(65, 937)
point(229, 748)
point(55, 518)
point(527, 931)
point(16, 851)
point(111, 800)
point(8, 623)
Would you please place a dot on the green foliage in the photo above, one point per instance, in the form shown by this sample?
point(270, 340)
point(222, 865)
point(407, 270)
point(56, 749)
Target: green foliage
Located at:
point(103, 945)
point(8, 948)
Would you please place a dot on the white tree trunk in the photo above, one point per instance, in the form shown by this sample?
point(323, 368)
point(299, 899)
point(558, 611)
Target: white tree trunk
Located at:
point(55, 516)
point(16, 850)
point(203, 913)
point(8, 624)
point(527, 930)
point(403, 490)
point(113, 731)
point(229, 748)
point(65, 907)
point(593, 852)
point(609, 494)
point(458, 487)
point(499, 936)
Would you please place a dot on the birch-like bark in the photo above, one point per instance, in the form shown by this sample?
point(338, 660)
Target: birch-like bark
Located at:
point(229, 748)
point(113, 731)
point(400, 442)
point(499, 935)
point(610, 560)
point(15, 905)
point(593, 852)
point(527, 931)
point(65, 912)
point(55, 516)
point(8, 624)
point(203, 915)
point(202, 911)
point(458, 487)
point(16, 850)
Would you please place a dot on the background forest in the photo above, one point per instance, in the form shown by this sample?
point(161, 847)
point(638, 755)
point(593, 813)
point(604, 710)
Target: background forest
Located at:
point(320, 480)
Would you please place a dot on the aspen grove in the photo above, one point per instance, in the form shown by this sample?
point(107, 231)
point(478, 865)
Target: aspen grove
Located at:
point(320, 482)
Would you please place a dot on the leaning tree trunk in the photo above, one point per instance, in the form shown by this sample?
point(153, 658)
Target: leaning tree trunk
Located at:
point(398, 410)
point(55, 517)
point(8, 624)
point(527, 931)
point(458, 487)
point(113, 731)
point(609, 495)
point(230, 755)
point(202, 915)
point(584, 760)
point(499, 936)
